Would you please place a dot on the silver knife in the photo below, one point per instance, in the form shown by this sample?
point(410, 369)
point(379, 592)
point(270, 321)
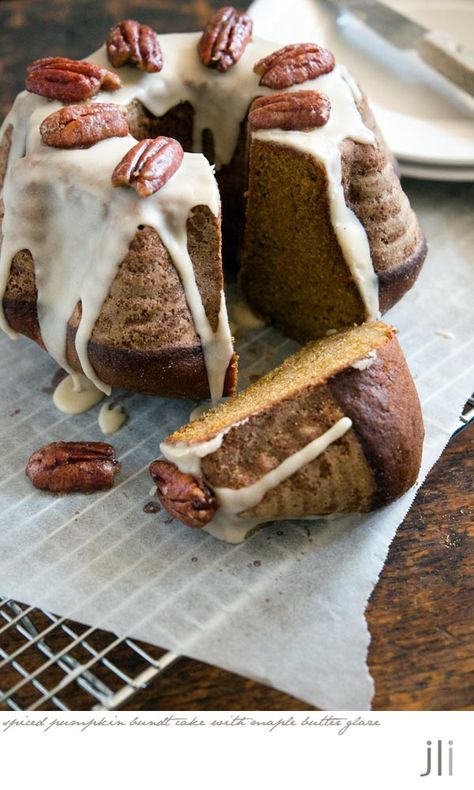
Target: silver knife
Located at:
point(439, 50)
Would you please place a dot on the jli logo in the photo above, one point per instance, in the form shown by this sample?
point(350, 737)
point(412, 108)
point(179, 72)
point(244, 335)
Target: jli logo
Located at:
point(440, 752)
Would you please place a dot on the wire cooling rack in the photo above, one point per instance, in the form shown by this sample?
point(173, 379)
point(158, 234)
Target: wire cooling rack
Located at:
point(53, 660)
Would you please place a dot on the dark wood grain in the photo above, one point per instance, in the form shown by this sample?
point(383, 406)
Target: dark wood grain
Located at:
point(31, 29)
point(421, 615)
point(421, 612)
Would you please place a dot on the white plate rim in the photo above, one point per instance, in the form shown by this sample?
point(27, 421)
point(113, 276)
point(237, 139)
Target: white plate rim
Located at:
point(434, 173)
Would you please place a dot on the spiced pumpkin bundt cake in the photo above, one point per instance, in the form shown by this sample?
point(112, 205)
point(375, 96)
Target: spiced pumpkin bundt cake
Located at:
point(125, 283)
point(337, 428)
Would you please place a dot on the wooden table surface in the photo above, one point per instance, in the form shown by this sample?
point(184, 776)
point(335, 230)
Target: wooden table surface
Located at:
point(421, 612)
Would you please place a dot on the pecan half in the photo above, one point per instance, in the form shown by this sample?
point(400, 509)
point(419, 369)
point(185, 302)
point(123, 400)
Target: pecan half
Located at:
point(69, 80)
point(185, 497)
point(65, 467)
point(294, 64)
point(295, 110)
point(224, 38)
point(83, 125)
point(148, 165)
point(136, 44)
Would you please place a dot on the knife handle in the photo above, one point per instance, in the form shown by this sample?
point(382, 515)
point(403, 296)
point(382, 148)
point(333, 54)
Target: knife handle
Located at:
point(450, 59)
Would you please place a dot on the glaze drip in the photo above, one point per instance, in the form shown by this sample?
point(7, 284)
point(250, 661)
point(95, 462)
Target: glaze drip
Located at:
point(76, 395)
point(227, 524)
point(111, 418)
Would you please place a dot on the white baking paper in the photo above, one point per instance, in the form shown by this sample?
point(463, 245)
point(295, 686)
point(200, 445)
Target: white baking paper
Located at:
point(287, 606)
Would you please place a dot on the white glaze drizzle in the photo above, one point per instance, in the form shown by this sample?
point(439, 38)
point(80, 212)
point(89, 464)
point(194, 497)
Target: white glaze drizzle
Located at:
point(188, 457)
point(227, 524)
point(111, 418)
point(60, 204)
point(75, 395)
point(365, 362)
point(324, 143)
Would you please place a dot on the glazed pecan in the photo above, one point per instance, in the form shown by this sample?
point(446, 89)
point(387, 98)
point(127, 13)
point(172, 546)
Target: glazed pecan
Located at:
point(148, 165)
point(135, 44)
point(295, 110)
point(65, 467)
point(69, 80)
point(185, 497)
point(83, 125)
point(224, 39)
point(294, 64)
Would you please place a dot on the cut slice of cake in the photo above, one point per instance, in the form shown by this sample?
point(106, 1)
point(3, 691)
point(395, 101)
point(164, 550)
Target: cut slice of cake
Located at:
point(337, 428)
point(330, 237)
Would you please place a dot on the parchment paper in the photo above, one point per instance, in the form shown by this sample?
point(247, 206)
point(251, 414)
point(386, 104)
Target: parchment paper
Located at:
point(287, 606)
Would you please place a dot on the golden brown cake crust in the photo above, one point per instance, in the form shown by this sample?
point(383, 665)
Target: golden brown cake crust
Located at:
point(310, 367)
point(383, 404)
point(140, 342)
point(373, 191)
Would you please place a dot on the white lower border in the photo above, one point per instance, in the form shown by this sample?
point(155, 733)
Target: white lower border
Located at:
point(235, 749)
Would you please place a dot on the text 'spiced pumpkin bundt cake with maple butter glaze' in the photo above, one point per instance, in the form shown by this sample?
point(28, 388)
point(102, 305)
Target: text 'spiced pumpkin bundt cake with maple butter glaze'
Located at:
point(337, 428)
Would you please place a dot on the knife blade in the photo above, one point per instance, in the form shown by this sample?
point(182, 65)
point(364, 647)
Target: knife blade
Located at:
point(438, 50)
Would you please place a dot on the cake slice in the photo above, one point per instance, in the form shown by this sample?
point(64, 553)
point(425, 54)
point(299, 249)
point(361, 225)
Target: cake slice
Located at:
point(337, 428)
point(330, 237)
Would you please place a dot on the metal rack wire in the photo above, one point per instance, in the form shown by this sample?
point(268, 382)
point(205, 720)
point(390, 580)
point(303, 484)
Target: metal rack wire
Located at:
point(54, 659)
point(467, 416)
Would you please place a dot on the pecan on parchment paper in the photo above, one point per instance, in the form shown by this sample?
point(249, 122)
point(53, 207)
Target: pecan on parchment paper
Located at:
point(148, 165)
point(134, 44)
point(67, 467)
point(69, 80)
point(84, 125)
point(224, 39)
point(185, 497)
point(294, 64)
point(296, 110)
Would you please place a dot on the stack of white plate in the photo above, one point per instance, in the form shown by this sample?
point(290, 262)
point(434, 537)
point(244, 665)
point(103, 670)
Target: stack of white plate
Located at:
point(428, 122)
point(430, 127)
